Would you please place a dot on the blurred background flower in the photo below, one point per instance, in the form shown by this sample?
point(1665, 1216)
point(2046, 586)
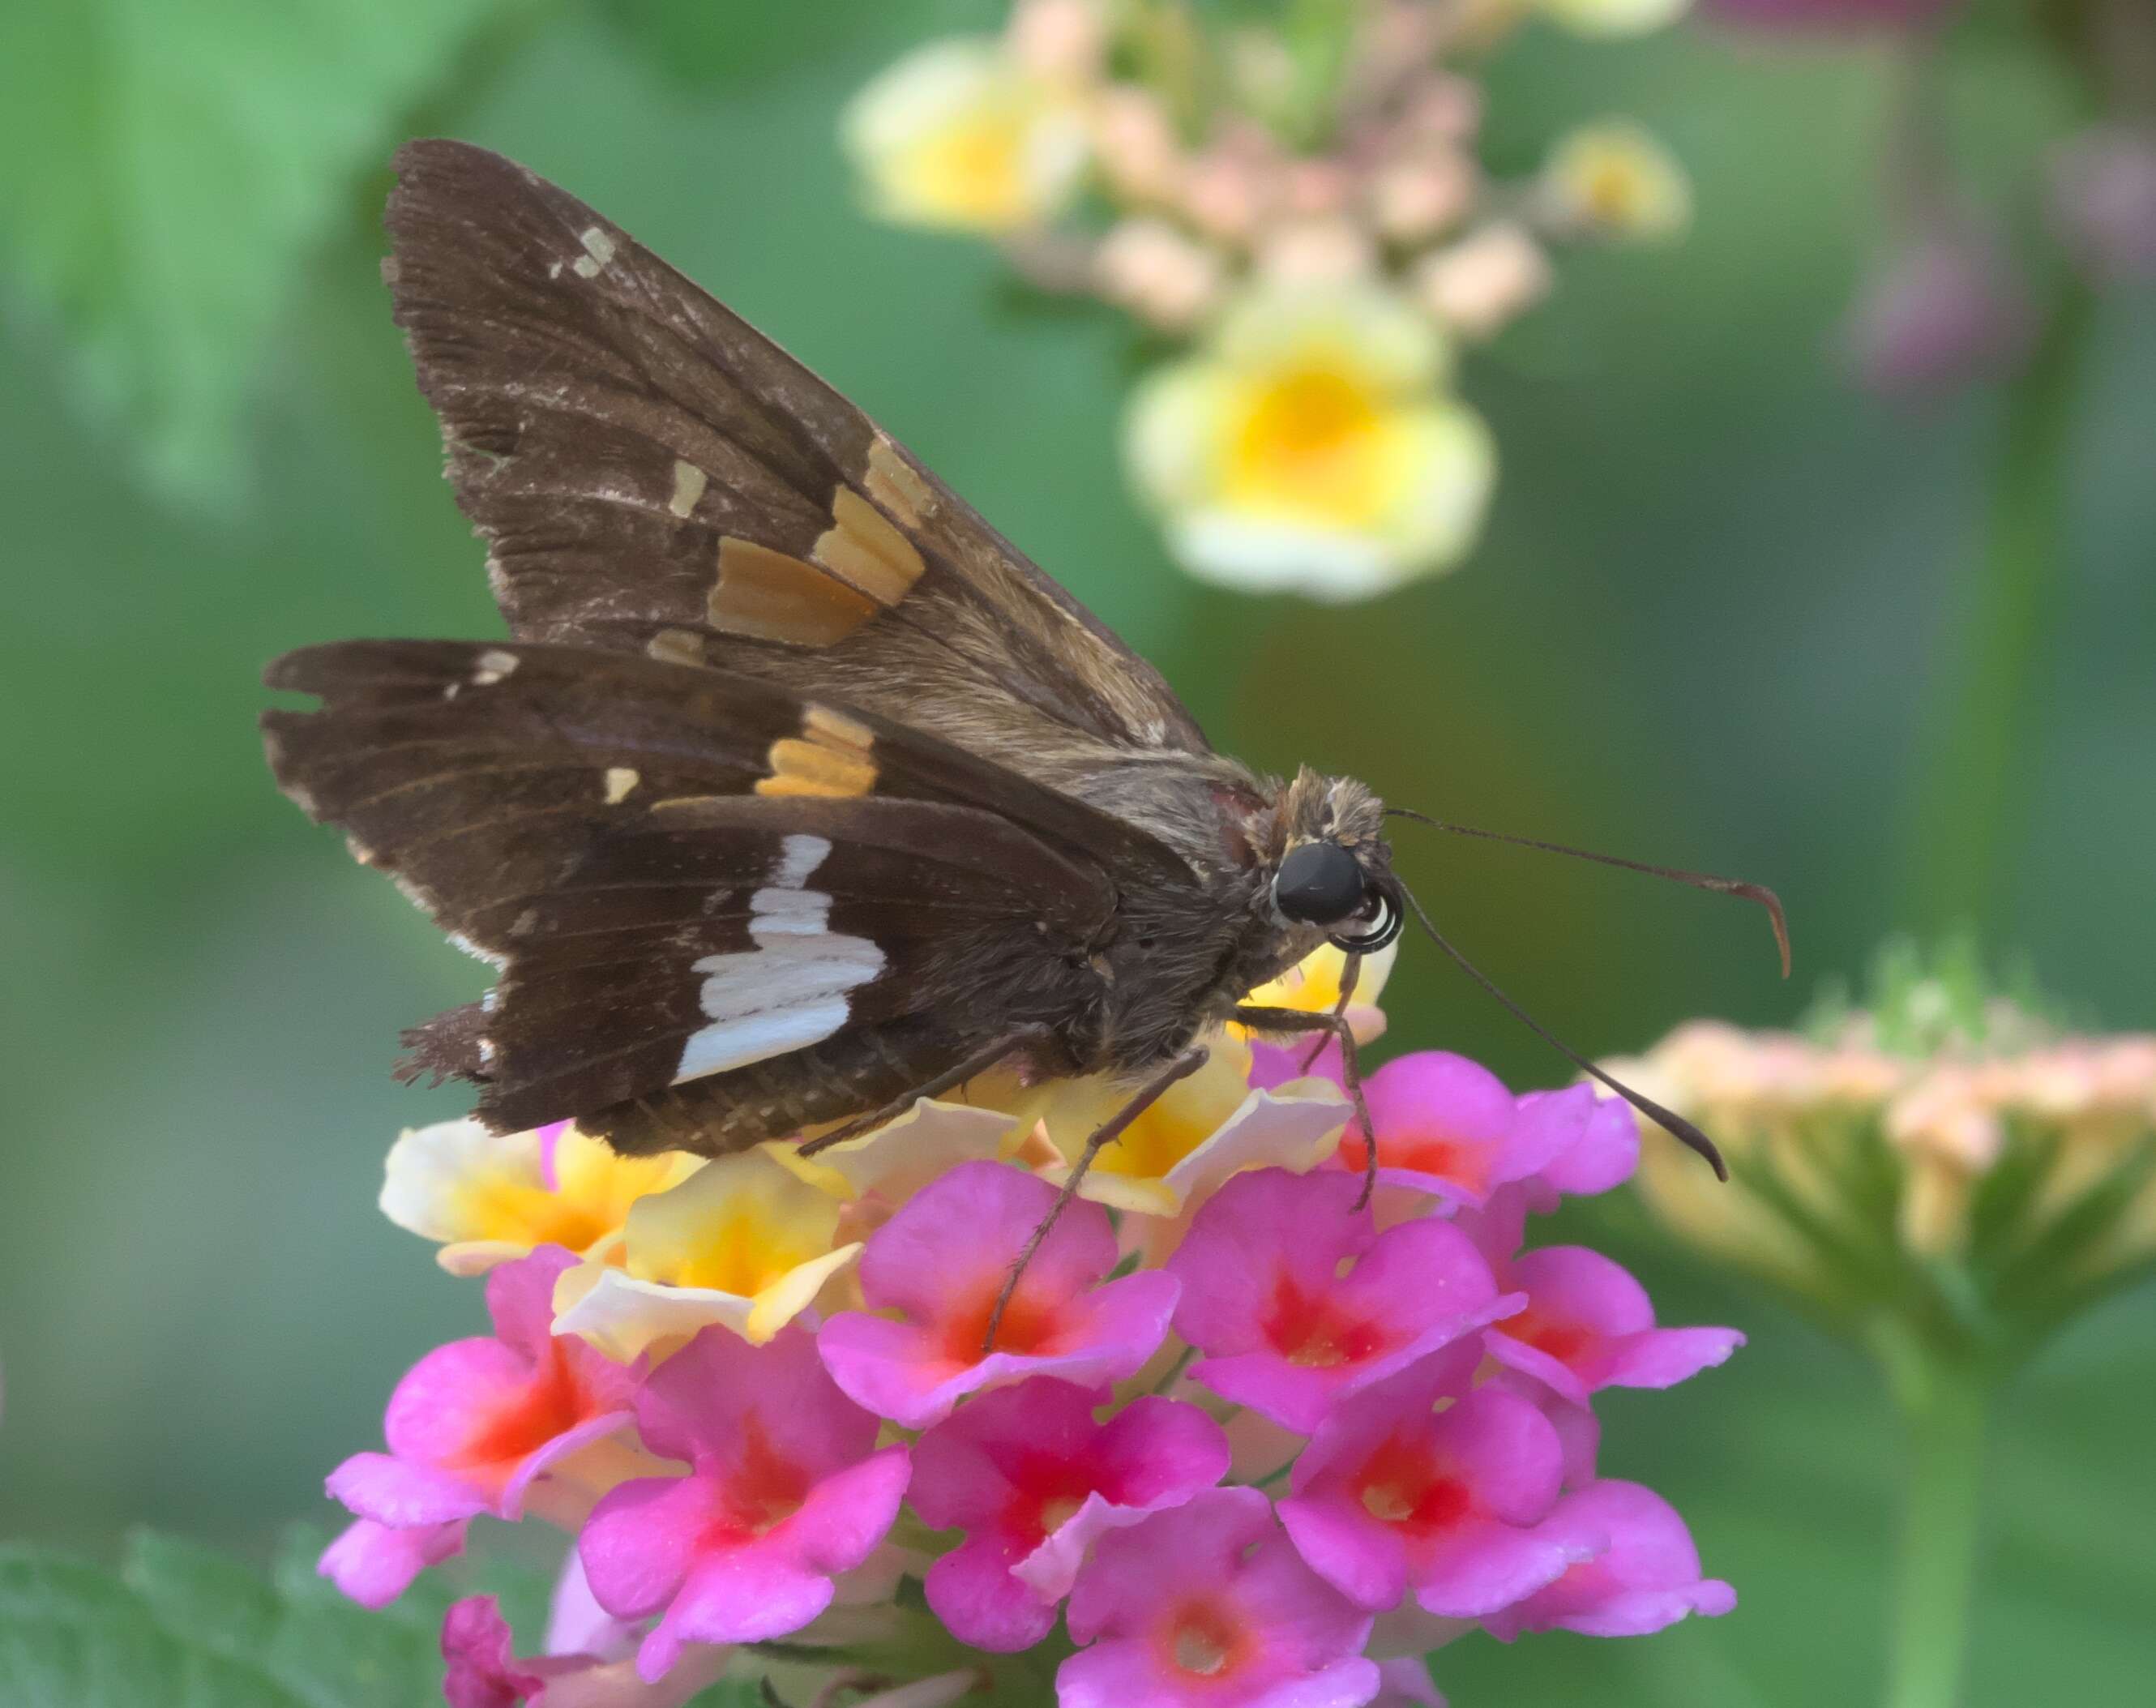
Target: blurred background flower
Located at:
point(1248, 177)
point(1718, 616)
point(1948, 1177)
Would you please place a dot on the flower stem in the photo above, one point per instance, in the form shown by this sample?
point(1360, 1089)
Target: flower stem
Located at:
point(1944, 1400)
point(1981, 716)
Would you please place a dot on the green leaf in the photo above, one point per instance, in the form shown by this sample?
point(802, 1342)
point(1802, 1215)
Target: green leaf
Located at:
point(165, 167)
point(74, 1637)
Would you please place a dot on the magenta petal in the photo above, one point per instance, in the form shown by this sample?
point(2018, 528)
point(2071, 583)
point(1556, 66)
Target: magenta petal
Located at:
point(847, 1514)
point(1362, 1559)
point(1407, 1684)
point(1259, 1226)
point(511, 1503)
point(482, 1670)
point(901, 1371)
point(705, 1396)
point(1644, 1574)
point(1660, 1358)
point(449, 1394)
point(973, 1591)
point(576, 1625)
point(374, 1564)
point(973, 1222)
point(519, 1298)
point(401, 1495)
point(1604, 1154)
point(737, 1597)
point(1156, 1451)
point(641, 1540)
point(1484, 1566)
point(1136, 1570)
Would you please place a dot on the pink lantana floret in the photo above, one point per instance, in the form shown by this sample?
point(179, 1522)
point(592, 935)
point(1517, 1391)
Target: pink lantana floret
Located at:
point(1391, 1494)
point(374, 1563)
point(786, 1488)
point(1210, 1604)
point(941, 1263)
point(1447, 1125)
point(1590, 1325)
point(1604, 1152)
point(1284, 1330)
point(1034, 1481)
point(1645, 1573)
point(483, 1670)
point(473, 1423)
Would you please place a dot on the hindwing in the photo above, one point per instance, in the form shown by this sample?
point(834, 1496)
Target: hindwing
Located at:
point(680, 872)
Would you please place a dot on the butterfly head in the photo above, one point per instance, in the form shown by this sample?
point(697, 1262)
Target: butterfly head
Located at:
point(1335, 873)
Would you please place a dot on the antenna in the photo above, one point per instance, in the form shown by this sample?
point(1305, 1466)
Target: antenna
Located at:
point(1698, 880)
point(1676, 1124)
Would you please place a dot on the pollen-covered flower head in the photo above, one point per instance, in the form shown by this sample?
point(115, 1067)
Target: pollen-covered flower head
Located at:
point(1310, 445)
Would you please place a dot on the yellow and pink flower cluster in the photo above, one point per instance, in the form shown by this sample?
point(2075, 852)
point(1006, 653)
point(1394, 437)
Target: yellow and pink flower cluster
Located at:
point(1238, 1436)
point(1306, 205)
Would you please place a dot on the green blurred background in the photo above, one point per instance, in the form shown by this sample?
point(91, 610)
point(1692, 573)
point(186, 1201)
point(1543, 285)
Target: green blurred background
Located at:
point(1709, 617)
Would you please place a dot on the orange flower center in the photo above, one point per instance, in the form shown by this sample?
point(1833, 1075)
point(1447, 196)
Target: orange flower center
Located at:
point(1402, 1484)
point(550, 1404)
point(1030, 1323)
point(764, 1489)
point(1563, 1342)
point(1312, 1329)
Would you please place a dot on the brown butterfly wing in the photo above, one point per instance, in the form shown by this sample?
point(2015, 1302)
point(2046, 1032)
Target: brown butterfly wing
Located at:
point(653, 475)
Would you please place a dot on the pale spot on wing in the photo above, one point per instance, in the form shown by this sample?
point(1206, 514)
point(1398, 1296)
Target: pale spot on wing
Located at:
point(831, 758)
point(676, 646)
point(892, 483)
point(620, 780)
point(599, 250)
point(789, 991)
point(492, 665)
point(864, 549)
point(689, 484)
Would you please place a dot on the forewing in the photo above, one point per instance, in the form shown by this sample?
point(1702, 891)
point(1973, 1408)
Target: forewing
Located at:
point(654, 475)
point(680, 872)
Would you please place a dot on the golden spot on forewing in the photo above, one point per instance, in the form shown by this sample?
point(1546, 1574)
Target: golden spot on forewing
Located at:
point(620, 780)
point(767, 595)
point(676, 646)
point(892, 483)
point(831, 758)
point(863, 549)
point(689, 484)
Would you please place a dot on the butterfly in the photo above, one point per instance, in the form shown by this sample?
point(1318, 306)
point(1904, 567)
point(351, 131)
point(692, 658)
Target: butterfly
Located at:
point(797, 793)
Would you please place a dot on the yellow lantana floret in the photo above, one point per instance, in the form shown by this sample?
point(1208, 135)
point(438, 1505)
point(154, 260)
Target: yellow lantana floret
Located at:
point(1310, 445)
point(743, 1241)
point(960, 134)
point(1203, 1130)
point(489, 1197)
point(1615, 180)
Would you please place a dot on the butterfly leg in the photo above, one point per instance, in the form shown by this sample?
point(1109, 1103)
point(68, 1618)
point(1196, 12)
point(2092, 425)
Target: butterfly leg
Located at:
point(977, 1064)
point(1147, 1095)
point(1298, 1020)
point(1350, 973)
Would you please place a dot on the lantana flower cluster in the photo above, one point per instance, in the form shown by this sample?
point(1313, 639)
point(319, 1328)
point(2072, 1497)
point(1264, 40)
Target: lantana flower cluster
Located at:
point(1304, 202)
point(1239, 1437)
point(1945, 1153)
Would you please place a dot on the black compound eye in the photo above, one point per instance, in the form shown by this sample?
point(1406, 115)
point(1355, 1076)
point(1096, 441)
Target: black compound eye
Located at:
point(1319, 882)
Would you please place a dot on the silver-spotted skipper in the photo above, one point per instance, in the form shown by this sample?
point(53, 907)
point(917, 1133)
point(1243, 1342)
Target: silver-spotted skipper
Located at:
point(798, 793)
